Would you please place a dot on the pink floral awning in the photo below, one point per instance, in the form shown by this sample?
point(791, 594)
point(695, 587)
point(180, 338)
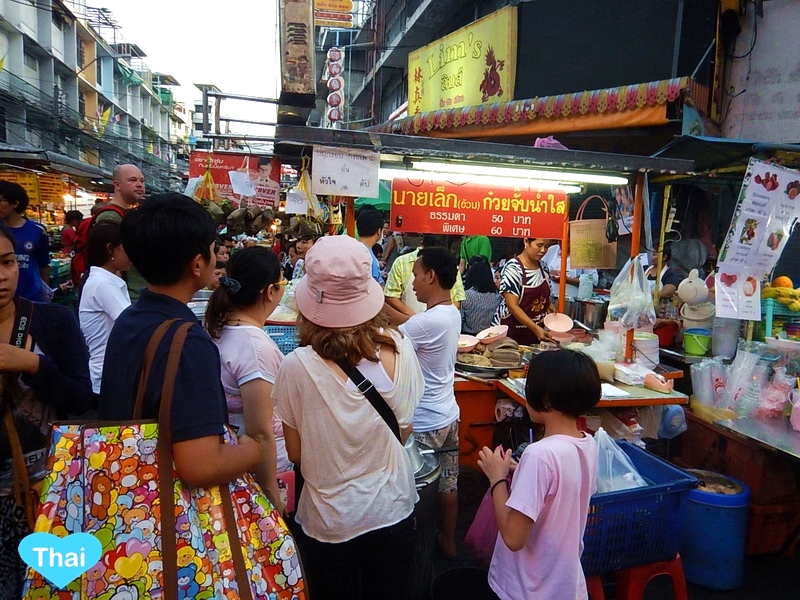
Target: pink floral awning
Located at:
point(612, 101)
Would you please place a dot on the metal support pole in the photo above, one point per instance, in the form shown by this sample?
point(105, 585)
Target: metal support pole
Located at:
point(636, 238)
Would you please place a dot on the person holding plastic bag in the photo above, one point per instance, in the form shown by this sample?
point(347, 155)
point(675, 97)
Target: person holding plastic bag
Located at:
point(542, 517)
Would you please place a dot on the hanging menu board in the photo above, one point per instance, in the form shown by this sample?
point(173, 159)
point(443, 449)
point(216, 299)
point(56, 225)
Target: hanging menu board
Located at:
point(765, 213)
point(427, 206)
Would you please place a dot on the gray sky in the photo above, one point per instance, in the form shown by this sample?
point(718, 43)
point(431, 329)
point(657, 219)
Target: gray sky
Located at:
point(230, 44)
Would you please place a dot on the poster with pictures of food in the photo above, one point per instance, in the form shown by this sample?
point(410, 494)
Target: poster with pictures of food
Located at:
point(737, 292)
point(766, 211)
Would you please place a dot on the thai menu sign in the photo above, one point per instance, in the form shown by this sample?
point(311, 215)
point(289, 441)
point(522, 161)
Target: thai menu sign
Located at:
point(767, 209)
point(426, 206)
point(474, 65)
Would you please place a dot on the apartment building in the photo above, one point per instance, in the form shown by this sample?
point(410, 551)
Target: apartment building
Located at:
point(72, 102)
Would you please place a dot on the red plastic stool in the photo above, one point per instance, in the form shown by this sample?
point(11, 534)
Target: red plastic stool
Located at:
point(632, 582)
point(594, 585)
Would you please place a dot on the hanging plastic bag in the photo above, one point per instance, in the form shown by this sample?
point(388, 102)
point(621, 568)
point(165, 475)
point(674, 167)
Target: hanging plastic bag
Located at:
point(615, 471)
point(631, 301)
point(315, 210)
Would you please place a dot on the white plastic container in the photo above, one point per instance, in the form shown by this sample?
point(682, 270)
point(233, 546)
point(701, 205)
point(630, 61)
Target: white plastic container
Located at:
point(725, 337)
point(645, 345)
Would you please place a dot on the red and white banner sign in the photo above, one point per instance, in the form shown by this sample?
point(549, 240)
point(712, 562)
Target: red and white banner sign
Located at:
point(257, 168)
point(426, 206)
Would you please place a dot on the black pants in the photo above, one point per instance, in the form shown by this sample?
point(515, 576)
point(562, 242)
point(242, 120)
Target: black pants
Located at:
point(371, 566)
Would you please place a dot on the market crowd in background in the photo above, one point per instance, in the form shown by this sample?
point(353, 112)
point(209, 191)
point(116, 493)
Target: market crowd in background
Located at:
point(379, 314)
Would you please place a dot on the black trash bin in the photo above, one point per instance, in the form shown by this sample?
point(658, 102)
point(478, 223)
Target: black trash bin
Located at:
point(427, 470)
point(463, 583)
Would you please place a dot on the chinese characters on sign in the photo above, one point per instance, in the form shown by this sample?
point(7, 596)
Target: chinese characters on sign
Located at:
point(767, 208)
point(471, 66)
point(425, 206)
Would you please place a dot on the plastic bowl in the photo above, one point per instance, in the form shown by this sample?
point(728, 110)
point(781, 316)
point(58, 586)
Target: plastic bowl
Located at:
point(562, 338)
point(558, 322)
point(467, 343)
point(492, 334)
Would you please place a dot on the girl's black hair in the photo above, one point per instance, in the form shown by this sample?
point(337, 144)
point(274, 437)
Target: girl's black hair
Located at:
point(254, 269)
point(562, 380)
point(479, 276)
point(4, 232)
point(100, 236)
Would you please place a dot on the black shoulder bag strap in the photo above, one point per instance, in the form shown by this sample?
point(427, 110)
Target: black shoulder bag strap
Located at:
point(378, 403)
point(22, 492)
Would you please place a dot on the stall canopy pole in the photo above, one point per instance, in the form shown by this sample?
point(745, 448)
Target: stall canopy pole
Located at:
point(562, 280)
point(636, 236)
point(350, 217)
point(661, 240)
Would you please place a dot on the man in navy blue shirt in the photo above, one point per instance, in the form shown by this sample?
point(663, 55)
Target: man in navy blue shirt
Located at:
point(170, 240)
point(33, 248)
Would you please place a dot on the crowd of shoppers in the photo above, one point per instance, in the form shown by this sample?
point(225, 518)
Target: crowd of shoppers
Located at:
point(374, 364)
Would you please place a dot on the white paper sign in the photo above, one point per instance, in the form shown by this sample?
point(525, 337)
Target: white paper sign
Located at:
point(241, 184)
point(767, 208)
point(345, 172)
point(296, 203)
point(191, 186)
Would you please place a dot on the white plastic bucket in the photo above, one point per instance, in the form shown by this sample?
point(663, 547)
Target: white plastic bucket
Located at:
point(725, 337)
point(700, 316)
point(645, 346)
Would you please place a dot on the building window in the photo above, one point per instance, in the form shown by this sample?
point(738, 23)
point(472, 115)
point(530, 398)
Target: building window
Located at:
point(30, 61)
point(81, 54)
point(82, 104)
point(99, 73)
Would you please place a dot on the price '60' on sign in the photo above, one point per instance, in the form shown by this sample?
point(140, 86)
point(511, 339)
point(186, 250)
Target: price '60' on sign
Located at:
point(474, 209)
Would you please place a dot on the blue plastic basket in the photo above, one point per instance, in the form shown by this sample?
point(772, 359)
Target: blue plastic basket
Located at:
point(284, 336)
point(641, 525)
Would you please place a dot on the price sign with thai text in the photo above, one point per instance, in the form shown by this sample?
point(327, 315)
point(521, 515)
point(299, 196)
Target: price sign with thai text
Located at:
point(345, 172)
point(426, 206)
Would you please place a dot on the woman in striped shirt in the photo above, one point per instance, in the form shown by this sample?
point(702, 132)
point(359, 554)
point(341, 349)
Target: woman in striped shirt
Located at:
point(482, 296)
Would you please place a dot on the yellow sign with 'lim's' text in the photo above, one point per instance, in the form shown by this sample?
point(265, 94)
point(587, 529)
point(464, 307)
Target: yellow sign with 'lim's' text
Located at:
point(474, 65)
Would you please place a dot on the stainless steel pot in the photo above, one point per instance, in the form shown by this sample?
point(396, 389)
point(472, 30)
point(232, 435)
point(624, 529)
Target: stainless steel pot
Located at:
point(572, 308)
point(594, 312)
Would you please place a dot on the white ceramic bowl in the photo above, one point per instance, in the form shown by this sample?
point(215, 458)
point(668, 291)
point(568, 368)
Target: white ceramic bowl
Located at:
point(492, 334)
point(558, 322)
point(467, 343)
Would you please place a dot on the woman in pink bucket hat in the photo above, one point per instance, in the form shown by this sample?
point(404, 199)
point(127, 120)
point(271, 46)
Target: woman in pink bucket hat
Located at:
point(356, 509)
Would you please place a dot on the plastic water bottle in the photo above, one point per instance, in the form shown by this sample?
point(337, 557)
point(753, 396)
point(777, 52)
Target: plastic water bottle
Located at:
point(585, 286)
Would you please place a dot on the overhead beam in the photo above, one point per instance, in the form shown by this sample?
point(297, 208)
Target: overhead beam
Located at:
point(468, 150)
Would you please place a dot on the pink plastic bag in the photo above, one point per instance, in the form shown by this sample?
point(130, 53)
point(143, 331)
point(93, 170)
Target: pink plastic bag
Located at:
point(482, 534)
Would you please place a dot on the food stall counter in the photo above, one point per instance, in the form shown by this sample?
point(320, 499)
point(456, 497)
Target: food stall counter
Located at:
point(636, 396)
point(773, 434)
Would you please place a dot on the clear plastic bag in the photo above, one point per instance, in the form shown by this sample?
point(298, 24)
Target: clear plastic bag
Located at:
point(631, 301)
point(615, 471)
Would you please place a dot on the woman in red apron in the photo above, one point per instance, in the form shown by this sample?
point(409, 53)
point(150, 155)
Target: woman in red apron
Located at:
point(526, 294)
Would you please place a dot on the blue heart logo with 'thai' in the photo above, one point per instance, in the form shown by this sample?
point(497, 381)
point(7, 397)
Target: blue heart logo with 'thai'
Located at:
point(60, 560)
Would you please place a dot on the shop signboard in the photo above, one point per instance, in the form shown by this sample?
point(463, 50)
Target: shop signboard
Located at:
point(428, 206)
point(297, 46)
point(765, 213)
point(253, 176)
point(42, 188)
point(345, 172)
point(334, 5)
point(474, 65)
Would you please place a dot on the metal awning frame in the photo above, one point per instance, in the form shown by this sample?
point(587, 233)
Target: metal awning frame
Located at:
point(292, 142)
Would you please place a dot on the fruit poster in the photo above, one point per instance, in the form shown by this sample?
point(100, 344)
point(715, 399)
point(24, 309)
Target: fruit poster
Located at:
point(766, 211)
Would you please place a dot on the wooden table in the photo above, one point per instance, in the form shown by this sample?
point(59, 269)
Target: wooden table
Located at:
point(639, 396)
point(477, 404)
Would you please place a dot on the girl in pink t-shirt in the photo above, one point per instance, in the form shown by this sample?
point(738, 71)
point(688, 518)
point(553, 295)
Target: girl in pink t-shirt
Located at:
point(541, 518)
